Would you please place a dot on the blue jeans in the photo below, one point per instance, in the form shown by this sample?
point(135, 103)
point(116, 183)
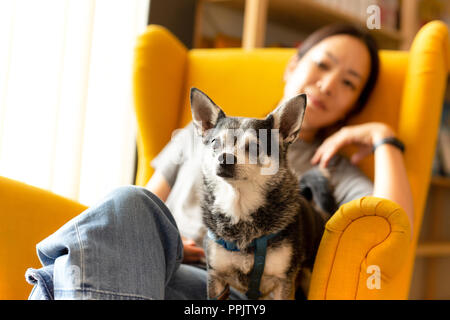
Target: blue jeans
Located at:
point(126, 247)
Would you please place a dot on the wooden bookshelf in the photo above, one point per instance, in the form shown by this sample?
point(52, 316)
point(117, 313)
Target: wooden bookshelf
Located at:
point(309, 15)
point(441, 181)
point(433, 249)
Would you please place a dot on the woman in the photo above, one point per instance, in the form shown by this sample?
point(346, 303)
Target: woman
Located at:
point(129, 246)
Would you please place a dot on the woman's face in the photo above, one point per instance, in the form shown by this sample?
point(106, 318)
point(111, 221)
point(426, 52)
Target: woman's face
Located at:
point(332, 74)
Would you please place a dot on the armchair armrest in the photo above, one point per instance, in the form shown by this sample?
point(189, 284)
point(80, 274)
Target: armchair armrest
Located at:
point(363, 237)
point(28, 215)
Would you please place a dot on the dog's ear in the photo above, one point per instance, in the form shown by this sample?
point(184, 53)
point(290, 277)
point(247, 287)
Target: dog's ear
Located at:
point(288, 117)
point(205, 113)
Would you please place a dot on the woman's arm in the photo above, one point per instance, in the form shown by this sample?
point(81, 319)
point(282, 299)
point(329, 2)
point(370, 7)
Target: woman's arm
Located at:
point(159, 186)
point(390, 181)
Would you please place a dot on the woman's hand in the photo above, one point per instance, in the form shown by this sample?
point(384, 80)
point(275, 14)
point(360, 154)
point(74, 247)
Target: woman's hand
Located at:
point(363, 135)
point(391, 179)
point(192, 252)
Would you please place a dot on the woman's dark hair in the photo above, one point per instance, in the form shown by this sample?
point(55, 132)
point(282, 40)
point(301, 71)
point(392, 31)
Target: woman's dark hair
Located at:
point(366, 38)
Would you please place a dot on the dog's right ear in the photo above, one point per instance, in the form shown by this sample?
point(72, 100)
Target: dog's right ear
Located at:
point(205, 113)
point(288, 117)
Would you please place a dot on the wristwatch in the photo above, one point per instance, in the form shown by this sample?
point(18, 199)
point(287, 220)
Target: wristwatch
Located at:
point(390, 140)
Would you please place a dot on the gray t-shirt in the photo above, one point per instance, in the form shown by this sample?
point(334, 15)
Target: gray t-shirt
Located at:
point(180, 163)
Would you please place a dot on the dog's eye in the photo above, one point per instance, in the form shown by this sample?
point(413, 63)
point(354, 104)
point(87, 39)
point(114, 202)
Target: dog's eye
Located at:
point(215, 143)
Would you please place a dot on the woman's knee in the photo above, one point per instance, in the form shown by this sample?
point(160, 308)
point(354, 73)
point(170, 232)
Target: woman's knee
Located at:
point(127, 195)
point(129, 198)
point(139, 208)
point(140, 212)
point(126, 211)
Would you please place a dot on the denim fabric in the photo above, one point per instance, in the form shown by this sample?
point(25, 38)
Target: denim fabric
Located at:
point(126, 247)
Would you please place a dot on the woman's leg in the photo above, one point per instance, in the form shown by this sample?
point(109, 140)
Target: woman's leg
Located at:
point(127, 247)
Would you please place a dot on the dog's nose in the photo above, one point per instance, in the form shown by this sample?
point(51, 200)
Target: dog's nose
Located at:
point(226, 165)
point(226, 159)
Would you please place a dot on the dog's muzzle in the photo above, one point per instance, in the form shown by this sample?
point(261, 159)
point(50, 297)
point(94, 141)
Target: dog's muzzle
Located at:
point(226, 166)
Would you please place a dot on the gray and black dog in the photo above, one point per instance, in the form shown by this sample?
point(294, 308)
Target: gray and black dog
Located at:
point(263, 225)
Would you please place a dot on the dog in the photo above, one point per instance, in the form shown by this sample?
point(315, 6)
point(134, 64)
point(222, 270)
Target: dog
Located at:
point(263, 225)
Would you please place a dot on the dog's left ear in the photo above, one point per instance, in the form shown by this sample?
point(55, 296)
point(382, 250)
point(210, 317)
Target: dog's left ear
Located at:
point(288, 117)
point(205, 113)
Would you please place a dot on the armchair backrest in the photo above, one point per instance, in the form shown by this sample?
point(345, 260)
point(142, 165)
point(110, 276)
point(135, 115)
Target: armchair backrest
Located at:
point(250, 83)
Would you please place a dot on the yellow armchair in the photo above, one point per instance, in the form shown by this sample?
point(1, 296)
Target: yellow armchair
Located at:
point(363, 235)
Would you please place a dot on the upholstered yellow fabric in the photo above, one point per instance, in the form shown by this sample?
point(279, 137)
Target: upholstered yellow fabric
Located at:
point(159, 69)
point(365, 232)
point(423, 93)
point(28, 215)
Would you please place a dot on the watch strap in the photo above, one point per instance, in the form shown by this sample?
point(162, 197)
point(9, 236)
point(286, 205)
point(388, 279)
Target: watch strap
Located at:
point(389, 140)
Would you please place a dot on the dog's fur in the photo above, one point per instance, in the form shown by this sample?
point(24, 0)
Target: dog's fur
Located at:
point(241, 204)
